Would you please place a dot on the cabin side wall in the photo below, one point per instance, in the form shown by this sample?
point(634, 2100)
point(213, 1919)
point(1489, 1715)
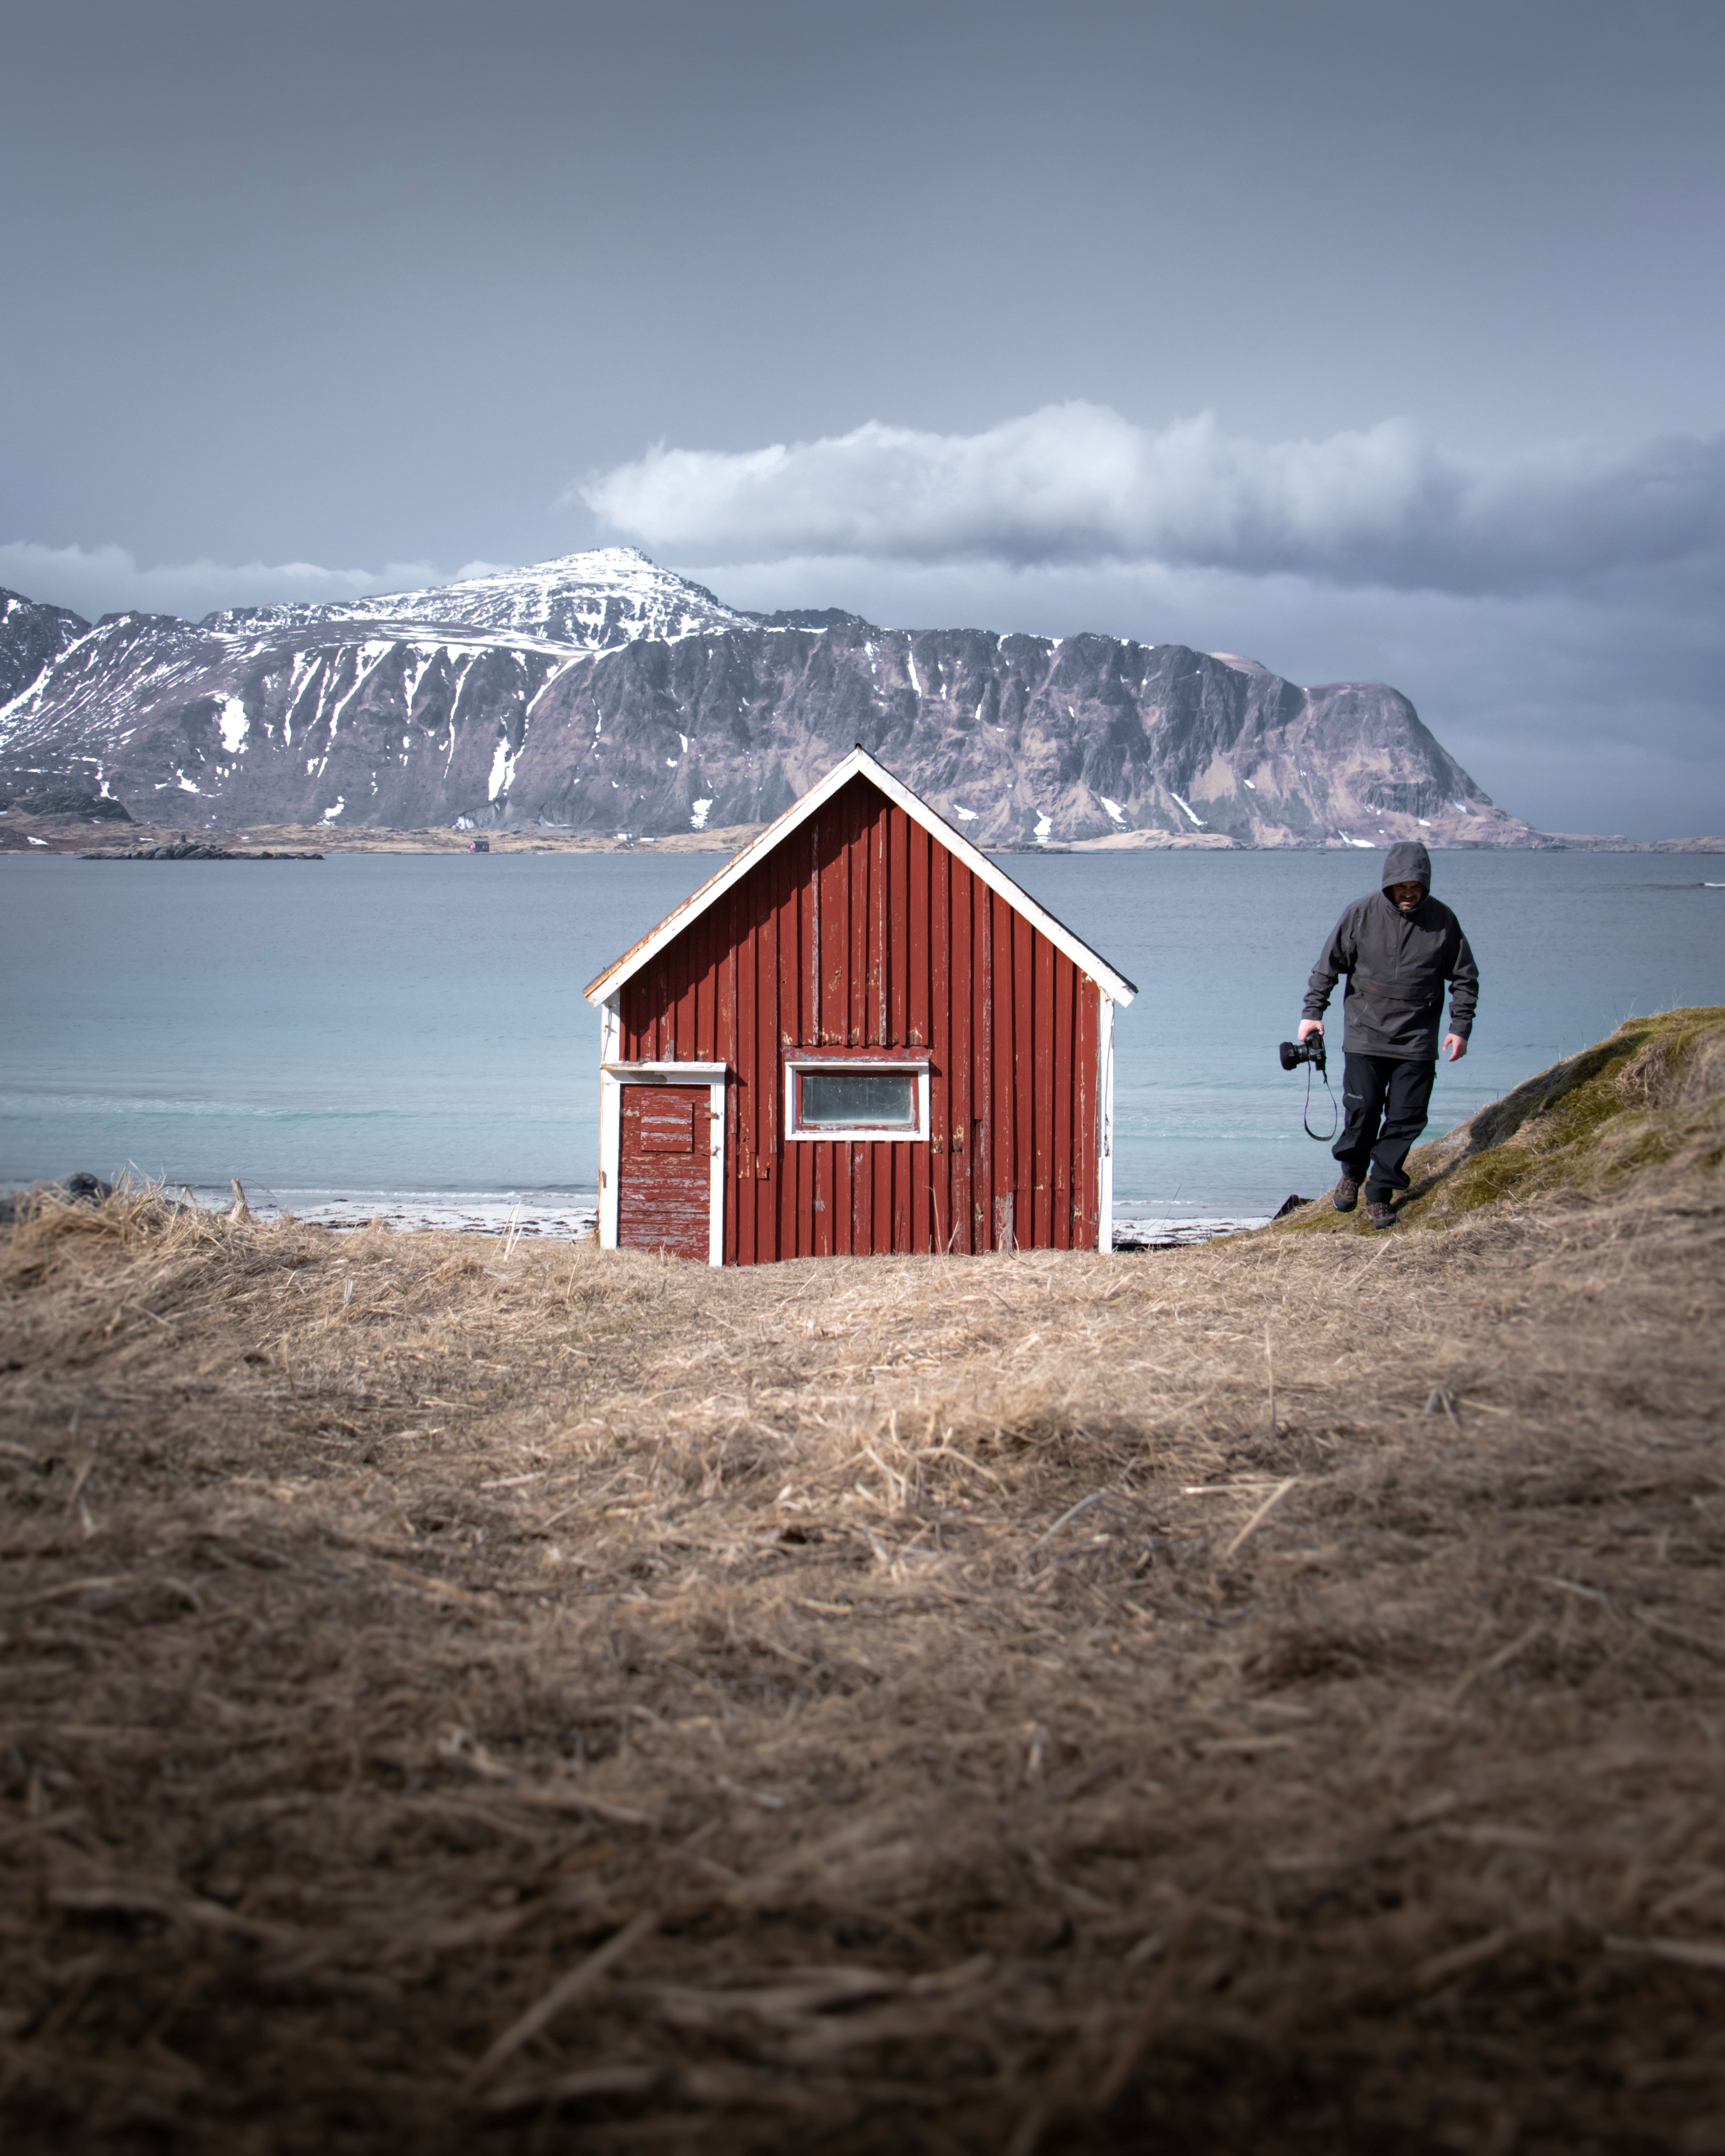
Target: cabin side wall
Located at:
point(862, 932)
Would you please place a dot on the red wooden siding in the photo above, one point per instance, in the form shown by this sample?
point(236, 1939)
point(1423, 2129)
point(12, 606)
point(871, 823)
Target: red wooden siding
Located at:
point(664, 1170)
point(862, 932)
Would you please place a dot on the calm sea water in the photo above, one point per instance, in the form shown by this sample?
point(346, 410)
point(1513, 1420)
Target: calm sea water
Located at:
point(378, 1023)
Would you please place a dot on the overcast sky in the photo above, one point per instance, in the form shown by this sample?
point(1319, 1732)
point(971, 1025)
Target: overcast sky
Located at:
point(1369, 340)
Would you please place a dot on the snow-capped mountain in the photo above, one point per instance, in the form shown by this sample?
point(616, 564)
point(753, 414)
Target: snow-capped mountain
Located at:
point(592, 602)
point(601, 694)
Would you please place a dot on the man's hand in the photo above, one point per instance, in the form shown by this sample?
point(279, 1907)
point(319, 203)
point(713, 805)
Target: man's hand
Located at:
point(1455, 1047)
point(1308, 1026)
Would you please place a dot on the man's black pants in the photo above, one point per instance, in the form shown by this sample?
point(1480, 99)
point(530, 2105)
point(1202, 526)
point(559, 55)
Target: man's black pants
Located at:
point(1384, 1104)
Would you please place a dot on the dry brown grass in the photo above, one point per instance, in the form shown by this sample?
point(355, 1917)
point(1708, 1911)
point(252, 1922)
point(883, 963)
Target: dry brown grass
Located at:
point(580, 1700)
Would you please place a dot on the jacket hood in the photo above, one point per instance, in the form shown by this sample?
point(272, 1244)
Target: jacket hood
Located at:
point(1407, 863)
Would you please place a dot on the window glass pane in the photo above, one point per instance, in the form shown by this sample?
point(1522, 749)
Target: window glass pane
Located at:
point(853, 1100)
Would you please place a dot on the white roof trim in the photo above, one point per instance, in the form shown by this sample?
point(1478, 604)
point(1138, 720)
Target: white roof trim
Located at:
point(1115, 986)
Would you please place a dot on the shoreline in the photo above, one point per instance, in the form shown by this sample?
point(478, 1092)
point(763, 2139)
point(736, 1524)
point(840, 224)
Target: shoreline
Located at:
point(105, 839)
point(572, 1216)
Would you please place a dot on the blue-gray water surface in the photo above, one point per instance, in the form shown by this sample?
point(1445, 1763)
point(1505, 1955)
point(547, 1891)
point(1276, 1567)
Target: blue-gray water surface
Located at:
point(414, 1023)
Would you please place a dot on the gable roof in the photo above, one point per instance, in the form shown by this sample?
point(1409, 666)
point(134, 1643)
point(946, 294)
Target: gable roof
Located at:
point(861, 764)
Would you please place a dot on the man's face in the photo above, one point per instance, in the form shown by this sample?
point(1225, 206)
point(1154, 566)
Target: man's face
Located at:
point(1409, 897)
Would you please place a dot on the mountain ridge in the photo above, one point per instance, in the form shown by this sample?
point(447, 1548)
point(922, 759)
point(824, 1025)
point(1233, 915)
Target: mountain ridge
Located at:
point(600, 694)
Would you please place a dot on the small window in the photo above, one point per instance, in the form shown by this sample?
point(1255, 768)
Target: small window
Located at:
point(858, 1100)
point(855, 1100)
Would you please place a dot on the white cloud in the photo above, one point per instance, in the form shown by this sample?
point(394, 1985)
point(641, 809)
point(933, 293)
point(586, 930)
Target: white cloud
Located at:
point(1554, 614)
point(1077, 483)
point(97, 580)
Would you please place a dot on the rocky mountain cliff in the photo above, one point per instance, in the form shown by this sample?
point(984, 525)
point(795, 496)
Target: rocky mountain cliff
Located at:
point(32, 637)
point(601, 694)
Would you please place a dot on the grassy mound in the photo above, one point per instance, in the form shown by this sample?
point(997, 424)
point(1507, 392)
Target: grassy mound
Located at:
point(1650, 1098)
point(1264, 1698)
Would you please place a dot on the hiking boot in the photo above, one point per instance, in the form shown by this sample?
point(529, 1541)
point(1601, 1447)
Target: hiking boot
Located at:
point(1346, 1196)
point(1380, 1212)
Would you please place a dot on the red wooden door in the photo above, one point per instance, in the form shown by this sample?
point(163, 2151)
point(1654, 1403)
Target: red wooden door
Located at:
point(664, 1171)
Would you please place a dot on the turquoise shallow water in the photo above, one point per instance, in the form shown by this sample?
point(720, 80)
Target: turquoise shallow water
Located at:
point(414, 1024)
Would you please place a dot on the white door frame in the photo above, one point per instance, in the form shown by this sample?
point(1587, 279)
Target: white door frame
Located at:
point(1104, 1126)
point(612, 1078)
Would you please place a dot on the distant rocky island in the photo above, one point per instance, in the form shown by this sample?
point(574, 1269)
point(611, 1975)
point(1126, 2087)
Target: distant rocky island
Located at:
point(601, 695)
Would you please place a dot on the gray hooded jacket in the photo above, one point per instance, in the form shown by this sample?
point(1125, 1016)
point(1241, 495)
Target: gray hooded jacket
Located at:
point(1396, 968)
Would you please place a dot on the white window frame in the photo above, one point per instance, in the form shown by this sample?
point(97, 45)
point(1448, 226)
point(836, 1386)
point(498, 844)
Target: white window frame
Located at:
point(850, 1134)
point(612, 1078)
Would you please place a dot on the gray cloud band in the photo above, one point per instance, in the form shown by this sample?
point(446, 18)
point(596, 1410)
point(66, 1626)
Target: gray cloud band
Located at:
point(1076, 482)
point(108, 579)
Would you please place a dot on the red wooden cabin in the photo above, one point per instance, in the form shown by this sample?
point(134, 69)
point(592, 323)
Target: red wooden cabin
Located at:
point(860, 1037)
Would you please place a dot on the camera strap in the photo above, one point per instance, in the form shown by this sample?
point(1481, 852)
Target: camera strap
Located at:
point(1322, 1136)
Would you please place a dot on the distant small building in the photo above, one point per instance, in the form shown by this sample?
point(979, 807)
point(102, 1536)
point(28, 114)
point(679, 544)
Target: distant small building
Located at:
point(479, 845)
point(860, 1037)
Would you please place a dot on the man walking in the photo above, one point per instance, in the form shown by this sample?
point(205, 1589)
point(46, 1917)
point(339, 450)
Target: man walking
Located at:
point(1397, 948)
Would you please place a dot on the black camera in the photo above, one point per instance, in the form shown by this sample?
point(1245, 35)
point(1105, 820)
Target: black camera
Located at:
point(1294, 1053)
